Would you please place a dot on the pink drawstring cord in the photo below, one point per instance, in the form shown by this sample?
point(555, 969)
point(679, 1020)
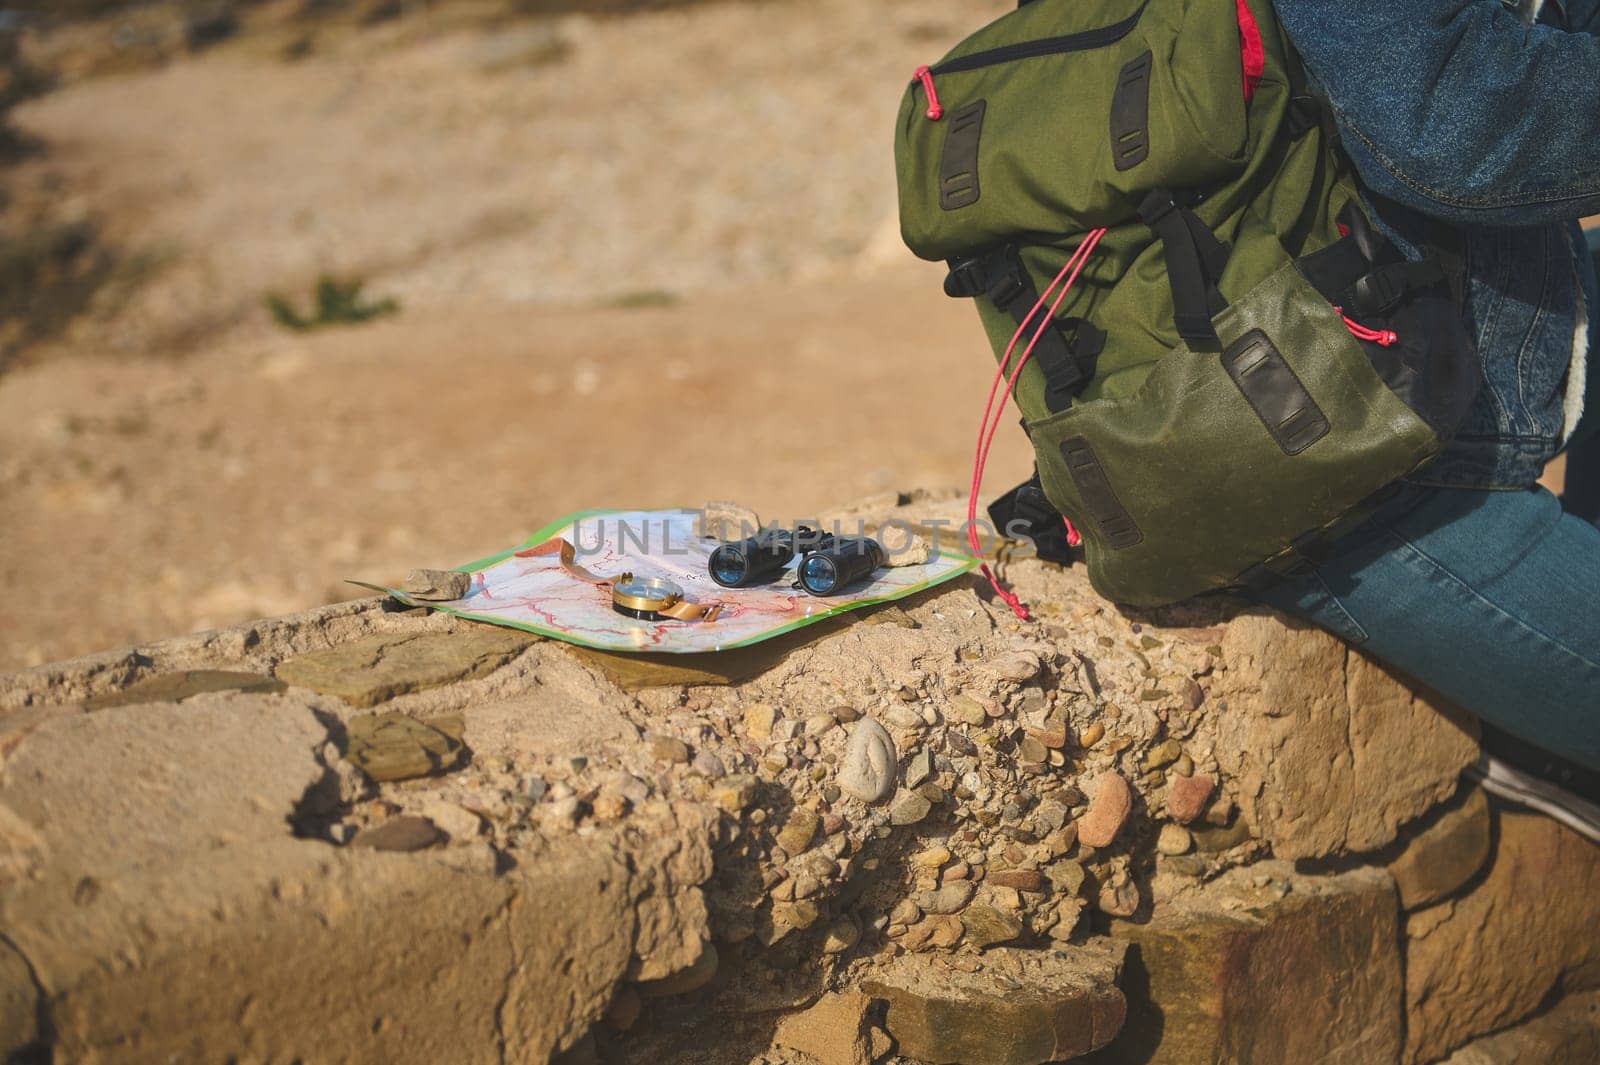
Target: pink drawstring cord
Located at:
point(1382, 337)
point(925, 75)
point(987, 429)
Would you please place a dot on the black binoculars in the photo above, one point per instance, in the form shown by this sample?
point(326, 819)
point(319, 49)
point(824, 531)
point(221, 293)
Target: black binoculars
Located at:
point(828, 563)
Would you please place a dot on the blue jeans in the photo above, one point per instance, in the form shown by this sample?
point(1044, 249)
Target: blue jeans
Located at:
point(1490, 598)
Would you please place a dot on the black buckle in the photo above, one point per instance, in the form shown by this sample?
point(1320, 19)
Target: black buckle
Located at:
point(1156, 205)
point(1005, 288)
point(1379, 291)
point(967, 278)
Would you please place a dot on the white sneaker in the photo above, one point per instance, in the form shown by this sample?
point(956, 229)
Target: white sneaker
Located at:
point(1501, 778)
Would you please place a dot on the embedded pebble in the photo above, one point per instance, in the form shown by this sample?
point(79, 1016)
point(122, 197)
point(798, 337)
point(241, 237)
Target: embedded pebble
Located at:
point(820, 724)
point(758, 721)
point(799, 830)
point(1119, 896)
point(966, 710)
point(1016, 667)
point(1108, 810)
point(1091, 735)
point(668, 749)
point(1163, 754)
point(709, 766)
point(868, 769)
point(1031, 750)
point(904, 717)
point(1173, 840)
point(947, 898)
point(1187, 796)
point(842, 935)
point(1019, 879)
point(919, 768)
point(986, 925)
point(909, 809)
point(905, 912)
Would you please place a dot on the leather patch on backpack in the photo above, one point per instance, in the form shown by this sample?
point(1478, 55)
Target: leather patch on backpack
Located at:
point(1110, 516)
point(958, 163)
point(1130, 115)
point(1275, 393)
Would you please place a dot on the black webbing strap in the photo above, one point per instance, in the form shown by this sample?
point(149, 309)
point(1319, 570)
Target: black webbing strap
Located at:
point(1381, 288)
point(1026, 512)
point(1067, 365)
point(1195, 261)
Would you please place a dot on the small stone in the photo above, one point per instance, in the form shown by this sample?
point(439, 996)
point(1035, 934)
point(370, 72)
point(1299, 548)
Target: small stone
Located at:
point(909, 809)
point(400, 834)
point(801, 914)
point(919, 768)
point(1119, 896)
point(534, 787)
point(842, 935)
point(1053, 735)
point(966, 710)
point(1163, 755)
point(1108, 810)
point(1187, 796)
point(868, 769)
point(457, 821)
point(1066, 877)
point(1031, 750)
point(1191, 693)
point(1020, 879)
point(947, 898)
point(1091, 735)
point(799, 830)
point(737, 793)
point(1173, 840)
point(986, 925)
point(946, 931)
point(958, 871)
point(820, 724)
point(667, 749)
point(904, 717)
point(1216, 840)
point(1184, 766)
point(624, 1009)
point(845, 714)
point(905, 912)
point(932, 858)
point(436, 585)
point(708, 765)
point(1062, 840)
point(395, 746)
point(1016, 667)
point(609, 806)
point(758, 721)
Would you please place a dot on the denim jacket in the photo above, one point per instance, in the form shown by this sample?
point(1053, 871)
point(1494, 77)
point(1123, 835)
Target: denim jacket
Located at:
point(1486, 117)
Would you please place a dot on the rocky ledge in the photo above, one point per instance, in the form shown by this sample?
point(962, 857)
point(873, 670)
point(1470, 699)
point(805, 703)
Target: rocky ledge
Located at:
point(929, 833)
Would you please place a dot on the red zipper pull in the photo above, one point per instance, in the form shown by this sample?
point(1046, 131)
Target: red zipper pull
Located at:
point(925, 75)
point(1382, 337)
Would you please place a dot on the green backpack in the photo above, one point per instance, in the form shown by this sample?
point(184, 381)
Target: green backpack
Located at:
point(1219, 361)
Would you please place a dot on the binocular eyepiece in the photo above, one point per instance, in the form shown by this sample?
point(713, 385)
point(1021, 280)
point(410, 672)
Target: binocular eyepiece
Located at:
point(828, 563)
point(763, 556)
point(840, 564)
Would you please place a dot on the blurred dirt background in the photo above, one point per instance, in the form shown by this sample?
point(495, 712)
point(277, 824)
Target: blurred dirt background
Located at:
point(609, 253)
